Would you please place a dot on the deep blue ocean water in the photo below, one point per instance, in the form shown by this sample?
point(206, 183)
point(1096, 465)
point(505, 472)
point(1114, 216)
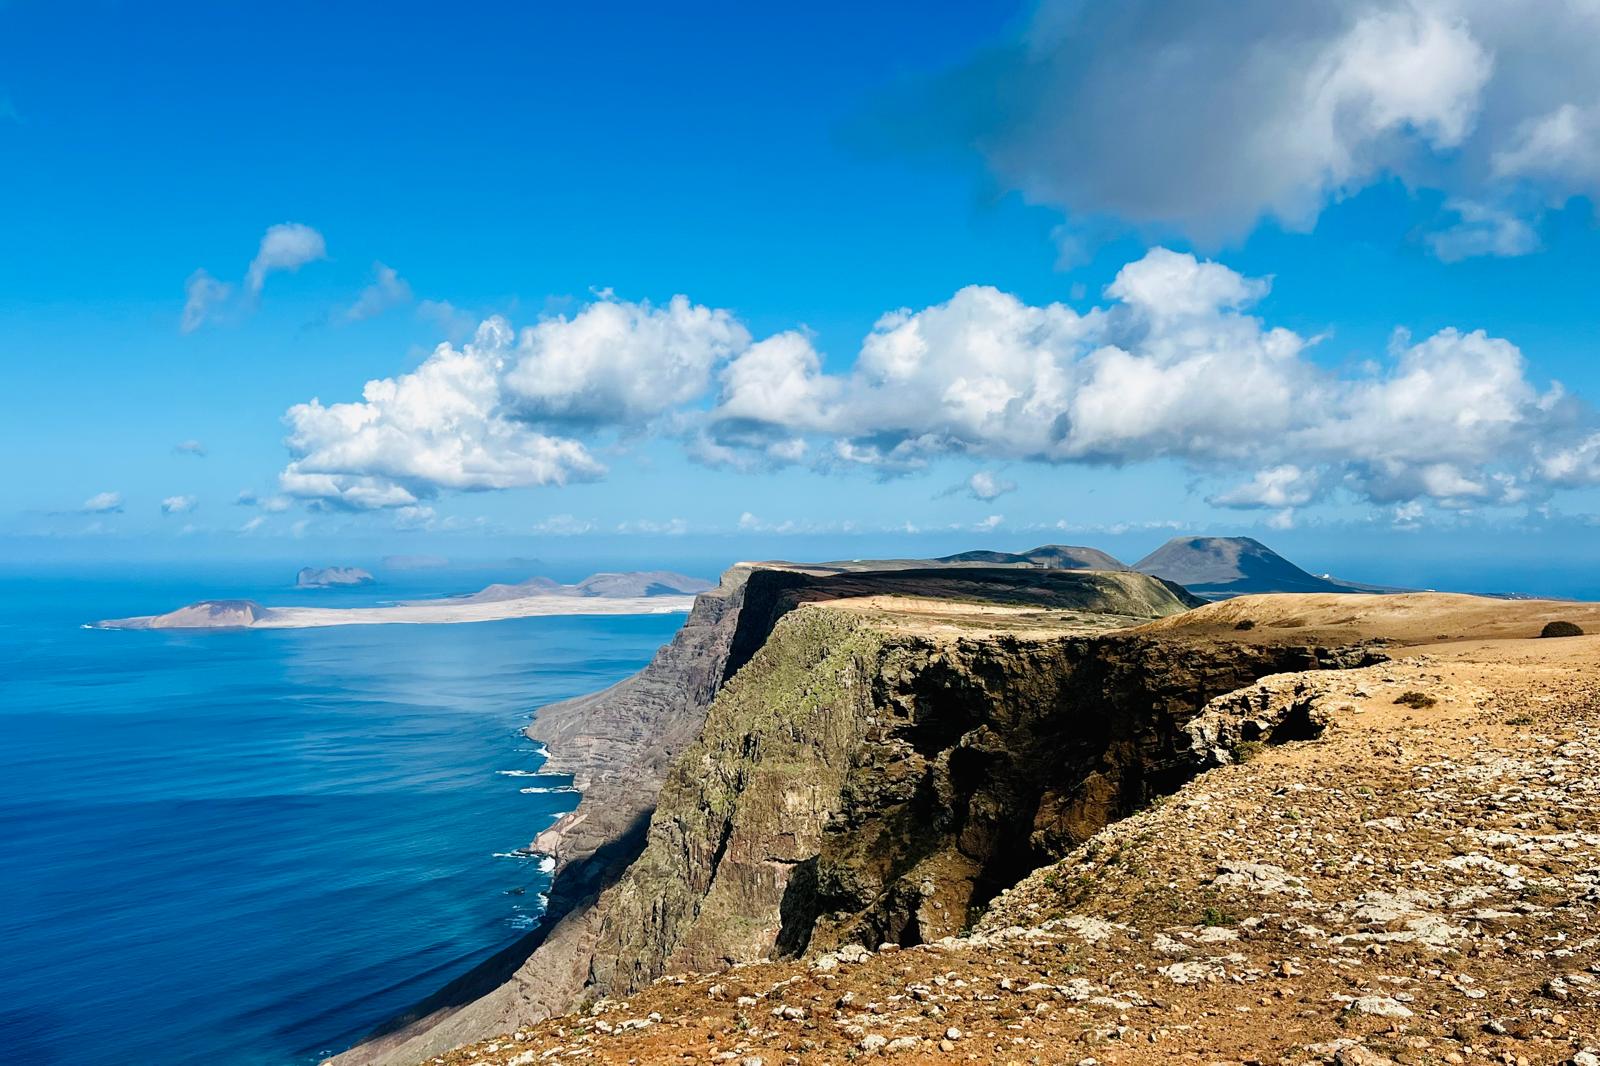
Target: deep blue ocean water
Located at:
point(251, 847)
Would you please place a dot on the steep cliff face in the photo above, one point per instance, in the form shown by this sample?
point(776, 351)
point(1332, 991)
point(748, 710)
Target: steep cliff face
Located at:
point(617, 744)
point(857, 782)
point(820, 773)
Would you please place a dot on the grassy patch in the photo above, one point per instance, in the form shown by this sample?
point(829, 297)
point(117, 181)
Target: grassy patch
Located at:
point(1247, 750)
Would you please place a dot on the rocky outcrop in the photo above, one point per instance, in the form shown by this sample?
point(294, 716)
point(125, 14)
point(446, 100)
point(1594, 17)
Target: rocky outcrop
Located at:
point(323, 577)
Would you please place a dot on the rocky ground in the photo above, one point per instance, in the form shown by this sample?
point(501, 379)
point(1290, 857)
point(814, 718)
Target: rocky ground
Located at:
point(1418, 883)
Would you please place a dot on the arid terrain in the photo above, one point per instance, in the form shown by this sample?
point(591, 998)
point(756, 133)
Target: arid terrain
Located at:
point(1391, 862)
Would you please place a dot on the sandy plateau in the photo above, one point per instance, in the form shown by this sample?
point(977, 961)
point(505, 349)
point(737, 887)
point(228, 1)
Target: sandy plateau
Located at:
point(1395, 863)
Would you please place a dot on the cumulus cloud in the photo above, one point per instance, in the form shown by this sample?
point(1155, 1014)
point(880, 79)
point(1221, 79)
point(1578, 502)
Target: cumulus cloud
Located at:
point(1176, 365)
point(618, 362)
point(202, 295)
point(985, 485)
point(388, 290)
point(1285, 486)
point(178, 504)
point(445, 425)
point(1207, 118)
point(103, 503)
point(287, 246)
point(190, 447)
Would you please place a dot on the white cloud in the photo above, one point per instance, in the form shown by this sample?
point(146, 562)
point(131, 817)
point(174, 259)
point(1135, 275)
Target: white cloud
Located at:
point(1207, 119)
point(1285, 486)
point(103, 503)
point(1574, 465)
point(202, 295)
point(1483, 229)
point(617, 362)
point(1406, 515)
point(1176, 366)
point(388, 289)
point(286, 246)
point(190, 447)
point(563, 525)
point(1562, 146)
point(985, 485)
point(442, 426)
point(988, 525)
point(178, 504)
point(672, 527)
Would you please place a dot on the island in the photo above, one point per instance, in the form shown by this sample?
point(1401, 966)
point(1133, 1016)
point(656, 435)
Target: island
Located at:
point(643, 592)
point(327, 577)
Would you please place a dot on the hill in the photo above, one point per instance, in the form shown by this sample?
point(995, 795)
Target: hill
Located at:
point(1218, 567)
point(1048, 556)
point(609, 585)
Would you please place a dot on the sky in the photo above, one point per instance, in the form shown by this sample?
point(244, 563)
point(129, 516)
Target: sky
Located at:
point(329, 282)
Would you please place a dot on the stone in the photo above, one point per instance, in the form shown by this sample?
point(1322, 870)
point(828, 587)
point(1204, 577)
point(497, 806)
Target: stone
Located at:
point(1382, 1006)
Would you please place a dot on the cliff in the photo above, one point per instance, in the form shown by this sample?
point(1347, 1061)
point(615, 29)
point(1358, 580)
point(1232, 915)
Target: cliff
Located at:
point(617, 745)
point(893, 748)
point(1353, 864)
point(863, 781)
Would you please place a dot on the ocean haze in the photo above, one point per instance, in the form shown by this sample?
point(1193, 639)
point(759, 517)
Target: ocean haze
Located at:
point(222, 844)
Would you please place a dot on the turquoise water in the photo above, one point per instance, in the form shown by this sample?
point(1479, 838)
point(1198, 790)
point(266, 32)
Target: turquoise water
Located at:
point(251, 847)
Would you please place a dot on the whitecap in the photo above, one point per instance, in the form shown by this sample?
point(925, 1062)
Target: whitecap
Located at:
point(518, 773)
point(542, 789)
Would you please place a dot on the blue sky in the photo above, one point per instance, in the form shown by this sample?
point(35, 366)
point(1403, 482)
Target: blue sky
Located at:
point(796, 176)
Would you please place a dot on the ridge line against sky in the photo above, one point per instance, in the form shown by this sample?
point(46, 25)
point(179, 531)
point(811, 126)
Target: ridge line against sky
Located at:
point(1228, 266)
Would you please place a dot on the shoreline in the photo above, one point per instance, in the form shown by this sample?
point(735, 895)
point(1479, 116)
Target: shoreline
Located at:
point(421, 613)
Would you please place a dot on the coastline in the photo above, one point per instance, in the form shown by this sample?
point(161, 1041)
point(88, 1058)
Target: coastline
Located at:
point(426, 614)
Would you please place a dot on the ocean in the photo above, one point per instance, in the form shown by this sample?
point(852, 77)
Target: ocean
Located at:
point(252, 847)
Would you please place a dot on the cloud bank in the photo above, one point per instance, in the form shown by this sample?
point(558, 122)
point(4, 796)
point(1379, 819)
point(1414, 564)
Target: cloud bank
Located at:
point(1176, 366)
